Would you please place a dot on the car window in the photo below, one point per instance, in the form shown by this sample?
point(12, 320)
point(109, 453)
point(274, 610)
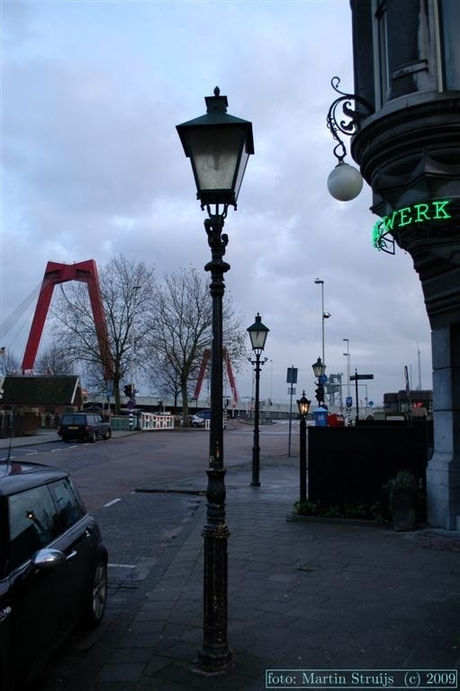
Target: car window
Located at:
point(73, 420)
point(33, 524)
point(70, 509)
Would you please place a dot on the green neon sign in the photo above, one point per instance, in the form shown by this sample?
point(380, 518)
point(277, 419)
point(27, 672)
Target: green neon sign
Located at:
point(435, 210)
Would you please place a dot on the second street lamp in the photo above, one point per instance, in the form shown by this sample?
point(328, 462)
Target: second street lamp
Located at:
point(258, 333)
point(218, 146)
point(319, 369)
point(303, 405)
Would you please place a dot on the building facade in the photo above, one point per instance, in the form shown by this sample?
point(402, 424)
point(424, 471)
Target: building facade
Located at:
point(407, 69)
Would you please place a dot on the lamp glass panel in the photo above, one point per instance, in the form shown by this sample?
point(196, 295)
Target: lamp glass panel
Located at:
point(303, 405)
point(258, 339)
point(241, 171)
point(215, 152)
point(318, 368)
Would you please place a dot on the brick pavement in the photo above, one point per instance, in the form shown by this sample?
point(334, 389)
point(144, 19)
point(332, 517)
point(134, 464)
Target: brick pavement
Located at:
point(303, 594)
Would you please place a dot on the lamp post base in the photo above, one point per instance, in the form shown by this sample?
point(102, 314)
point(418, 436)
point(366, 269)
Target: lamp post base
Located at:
point(214, 662)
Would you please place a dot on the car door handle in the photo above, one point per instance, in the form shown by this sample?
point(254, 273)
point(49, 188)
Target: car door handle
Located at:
point(71, 555)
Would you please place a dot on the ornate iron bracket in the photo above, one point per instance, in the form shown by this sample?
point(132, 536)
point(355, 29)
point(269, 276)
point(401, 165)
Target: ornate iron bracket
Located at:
point(354, 117)
point(382, 238)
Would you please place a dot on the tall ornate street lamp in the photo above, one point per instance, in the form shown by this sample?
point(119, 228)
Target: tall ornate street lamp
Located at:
point(258, 333)
point(319, 370)
point(218, 146)
point(303, 405)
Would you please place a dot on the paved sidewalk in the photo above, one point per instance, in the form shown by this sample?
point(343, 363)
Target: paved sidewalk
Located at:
point(303, 594)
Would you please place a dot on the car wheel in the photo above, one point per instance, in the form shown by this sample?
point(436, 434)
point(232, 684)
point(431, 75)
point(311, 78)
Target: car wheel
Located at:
point(107, 435)
point(96, 598)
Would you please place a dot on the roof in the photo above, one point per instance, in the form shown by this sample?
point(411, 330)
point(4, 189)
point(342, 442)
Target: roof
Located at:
point(36, 390)
point(16, 477)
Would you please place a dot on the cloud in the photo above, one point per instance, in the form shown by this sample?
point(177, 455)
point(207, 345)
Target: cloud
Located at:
point(92, 166)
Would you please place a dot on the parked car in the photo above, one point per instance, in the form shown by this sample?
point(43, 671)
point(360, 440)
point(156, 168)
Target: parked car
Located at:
point(198, 420)
point(53, 567)
point(84, 426)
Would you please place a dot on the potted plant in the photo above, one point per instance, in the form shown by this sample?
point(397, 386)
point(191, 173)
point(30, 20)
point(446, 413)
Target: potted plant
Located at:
point(403, 491)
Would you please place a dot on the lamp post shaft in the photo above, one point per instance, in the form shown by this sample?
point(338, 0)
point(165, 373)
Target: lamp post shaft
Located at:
point(215, 655)
point(322, 323)
point(256, 448)
point(303, 458)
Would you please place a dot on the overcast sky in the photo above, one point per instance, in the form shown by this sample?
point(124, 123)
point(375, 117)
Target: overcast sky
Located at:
point(92, 167)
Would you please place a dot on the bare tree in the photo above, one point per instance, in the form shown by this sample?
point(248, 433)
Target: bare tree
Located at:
point(55, 360)
point(181, 332)
point(9, 364)
point(127, 290)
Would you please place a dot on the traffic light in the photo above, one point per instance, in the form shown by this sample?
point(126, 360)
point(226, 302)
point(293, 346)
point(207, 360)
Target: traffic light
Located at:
point(128, 389)
point(319, 393)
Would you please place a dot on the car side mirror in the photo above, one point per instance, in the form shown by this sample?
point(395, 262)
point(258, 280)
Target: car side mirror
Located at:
point(48, 559)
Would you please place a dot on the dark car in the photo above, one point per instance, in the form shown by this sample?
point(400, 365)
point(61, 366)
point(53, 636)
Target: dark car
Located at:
point(84, 426)
point(53, 567)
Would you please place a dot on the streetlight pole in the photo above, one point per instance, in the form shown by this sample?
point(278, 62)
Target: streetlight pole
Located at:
point(258, 333)
point(348, 399)
point(303, 405)
point(347, 355)
point(135, 289)
point(324, 315)
point(218, 146)
point(133, 333)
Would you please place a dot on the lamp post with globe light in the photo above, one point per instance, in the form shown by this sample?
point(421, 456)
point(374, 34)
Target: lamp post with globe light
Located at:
point(219, 146)
point(345, 182)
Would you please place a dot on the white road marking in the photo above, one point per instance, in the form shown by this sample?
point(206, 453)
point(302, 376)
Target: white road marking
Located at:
point(110, 503)
point(122, 566)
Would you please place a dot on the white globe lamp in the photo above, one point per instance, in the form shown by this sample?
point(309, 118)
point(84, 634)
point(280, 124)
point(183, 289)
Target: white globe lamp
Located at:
point(345, 182)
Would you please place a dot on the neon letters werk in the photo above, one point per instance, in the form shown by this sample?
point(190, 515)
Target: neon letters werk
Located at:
point(418, 213)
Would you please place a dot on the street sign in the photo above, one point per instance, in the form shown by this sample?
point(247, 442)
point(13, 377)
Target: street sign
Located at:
point(322, 379)
point(358, 377)
point(291, 375)
point(349, 401)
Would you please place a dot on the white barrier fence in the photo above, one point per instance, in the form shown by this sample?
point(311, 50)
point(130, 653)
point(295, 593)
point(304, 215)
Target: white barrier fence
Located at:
point(143, 421)
point(150, 421)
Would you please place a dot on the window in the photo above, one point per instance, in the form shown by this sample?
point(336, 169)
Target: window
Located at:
point(450, 26)
point(32, 524)
point(69, 506)
point(381, 66)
